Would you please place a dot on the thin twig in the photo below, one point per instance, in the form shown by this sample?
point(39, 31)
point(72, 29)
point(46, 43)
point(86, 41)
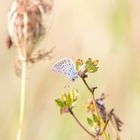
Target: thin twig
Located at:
point(22, 100)
point(92, 90)
point(104, 127)
point(76, 119)
point(110, 115)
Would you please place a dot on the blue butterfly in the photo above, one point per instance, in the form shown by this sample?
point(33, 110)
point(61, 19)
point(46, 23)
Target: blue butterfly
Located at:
point(66, 66)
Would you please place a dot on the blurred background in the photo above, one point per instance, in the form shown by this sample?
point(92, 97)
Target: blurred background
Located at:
point(106, 30)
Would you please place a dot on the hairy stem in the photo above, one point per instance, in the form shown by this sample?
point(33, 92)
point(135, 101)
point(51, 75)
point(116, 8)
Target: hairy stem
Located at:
point(22, 100)
point(81, 125)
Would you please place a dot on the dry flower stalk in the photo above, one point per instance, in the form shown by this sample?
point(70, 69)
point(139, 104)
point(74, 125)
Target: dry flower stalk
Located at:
point(26, 28)
point(26, 25)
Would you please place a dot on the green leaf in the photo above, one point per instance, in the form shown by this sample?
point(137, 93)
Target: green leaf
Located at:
point(77, 66)
point(79, 63)
point(90, 122)
point(69, 100)
point(92, 69)
point(91, 66)
point(95, 118)
point(72, 95)
point(59, 103)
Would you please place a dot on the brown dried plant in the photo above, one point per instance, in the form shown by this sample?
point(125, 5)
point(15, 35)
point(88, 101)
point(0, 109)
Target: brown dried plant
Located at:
point(26, 26)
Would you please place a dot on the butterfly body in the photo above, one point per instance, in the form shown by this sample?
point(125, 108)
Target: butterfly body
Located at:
point(66, 66)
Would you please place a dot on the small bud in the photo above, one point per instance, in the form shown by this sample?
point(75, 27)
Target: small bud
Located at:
point(79, 63)
point(90, 106)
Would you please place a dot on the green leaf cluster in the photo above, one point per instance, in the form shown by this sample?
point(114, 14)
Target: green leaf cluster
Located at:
point(67, 100)
point(91, 65)
point(93, 121)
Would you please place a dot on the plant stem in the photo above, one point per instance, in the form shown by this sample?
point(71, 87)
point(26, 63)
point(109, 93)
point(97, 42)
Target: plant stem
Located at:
point(92, 90)
point(104, 127)
point(106, 135)
point(22, 100)
point(115, 130)
point(85, 82)
point(76, 119)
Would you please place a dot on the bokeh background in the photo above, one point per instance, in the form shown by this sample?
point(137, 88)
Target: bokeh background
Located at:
point(108, 30)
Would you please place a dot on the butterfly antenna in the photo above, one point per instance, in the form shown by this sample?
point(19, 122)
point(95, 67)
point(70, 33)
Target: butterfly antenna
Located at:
point(67, 85)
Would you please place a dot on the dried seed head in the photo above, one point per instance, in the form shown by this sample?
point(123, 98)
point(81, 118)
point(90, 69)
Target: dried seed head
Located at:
point(26, 24)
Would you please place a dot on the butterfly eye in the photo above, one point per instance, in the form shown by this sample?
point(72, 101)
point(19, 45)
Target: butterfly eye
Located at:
point(73, 79)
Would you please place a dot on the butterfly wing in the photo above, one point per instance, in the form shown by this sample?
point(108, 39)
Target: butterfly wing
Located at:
point(66, 67)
